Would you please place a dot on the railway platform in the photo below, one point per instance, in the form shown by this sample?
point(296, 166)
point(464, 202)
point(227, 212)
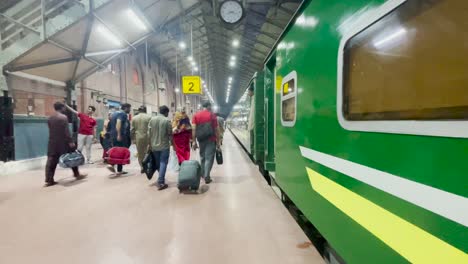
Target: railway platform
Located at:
point(236, 219)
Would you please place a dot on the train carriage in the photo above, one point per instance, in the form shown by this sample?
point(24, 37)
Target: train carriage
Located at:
point(365, 106)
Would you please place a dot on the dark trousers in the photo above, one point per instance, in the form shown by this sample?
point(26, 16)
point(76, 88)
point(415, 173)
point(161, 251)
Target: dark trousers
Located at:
point(51, 165)
point(162, 157)
point(207, 155)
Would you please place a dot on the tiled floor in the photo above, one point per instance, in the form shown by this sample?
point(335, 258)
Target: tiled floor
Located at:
point(236, 219)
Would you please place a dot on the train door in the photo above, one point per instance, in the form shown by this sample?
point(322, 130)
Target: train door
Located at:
point(269, 105)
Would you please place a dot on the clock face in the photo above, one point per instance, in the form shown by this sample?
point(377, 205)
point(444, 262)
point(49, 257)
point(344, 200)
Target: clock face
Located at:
point(231, 11)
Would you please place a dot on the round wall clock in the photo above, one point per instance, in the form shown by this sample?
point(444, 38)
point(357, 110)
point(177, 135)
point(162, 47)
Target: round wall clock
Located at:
point(231, 11)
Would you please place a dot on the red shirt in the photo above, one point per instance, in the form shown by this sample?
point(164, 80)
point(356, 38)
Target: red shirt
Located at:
point(206, 116)
point(87, 124)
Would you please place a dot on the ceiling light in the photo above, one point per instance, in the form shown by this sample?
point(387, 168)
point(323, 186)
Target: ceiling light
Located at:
point(232, 63)
point(233, 57)
point(182, 45)
point(235, 43)
point(101, 30)
point(190, 58)
point(230, 78)
point(195, 69)
point(177, 90)
point(136, 20)
point(193, 63)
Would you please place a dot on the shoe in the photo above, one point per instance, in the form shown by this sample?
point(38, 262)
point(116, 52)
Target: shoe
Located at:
point(48, 184)
point(207, 181)
point(111, 168)
point(142, 171)
point(81, 176)
point(162, 186)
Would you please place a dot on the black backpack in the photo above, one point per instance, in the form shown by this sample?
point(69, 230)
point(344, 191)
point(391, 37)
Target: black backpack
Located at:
point(205, 131)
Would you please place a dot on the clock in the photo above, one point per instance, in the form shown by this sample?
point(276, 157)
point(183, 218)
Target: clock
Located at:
point(231, 11)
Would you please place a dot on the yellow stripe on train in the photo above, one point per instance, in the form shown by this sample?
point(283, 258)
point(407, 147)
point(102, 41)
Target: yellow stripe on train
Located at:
point(410, 241)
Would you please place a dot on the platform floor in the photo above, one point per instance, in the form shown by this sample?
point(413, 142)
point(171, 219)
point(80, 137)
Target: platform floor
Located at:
point(236, 219)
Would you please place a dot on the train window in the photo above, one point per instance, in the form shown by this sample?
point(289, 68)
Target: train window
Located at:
point(411, 64)
point(289, 99)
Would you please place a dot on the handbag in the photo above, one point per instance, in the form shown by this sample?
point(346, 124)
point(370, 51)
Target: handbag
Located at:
point(149, 165)
point(71, 160)
point(219, 157)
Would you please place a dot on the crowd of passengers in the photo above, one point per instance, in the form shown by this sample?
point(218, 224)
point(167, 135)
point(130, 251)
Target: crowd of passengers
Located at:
point(151, 134)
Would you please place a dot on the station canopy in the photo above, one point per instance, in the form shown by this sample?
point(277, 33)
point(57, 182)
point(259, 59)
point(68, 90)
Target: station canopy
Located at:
point(189, 36)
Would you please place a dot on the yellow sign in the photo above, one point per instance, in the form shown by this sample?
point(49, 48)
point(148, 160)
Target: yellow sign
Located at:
point(285, 88)
point(191, 85)
point(279, 80)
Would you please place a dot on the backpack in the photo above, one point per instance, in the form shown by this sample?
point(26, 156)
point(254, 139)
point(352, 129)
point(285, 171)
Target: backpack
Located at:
point(205, 131)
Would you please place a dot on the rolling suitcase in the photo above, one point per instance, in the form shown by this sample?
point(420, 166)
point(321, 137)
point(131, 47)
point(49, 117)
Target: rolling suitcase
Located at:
point(189, 175)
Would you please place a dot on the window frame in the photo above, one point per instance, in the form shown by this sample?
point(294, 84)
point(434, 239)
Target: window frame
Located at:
point(449, 128)
point(291, 76)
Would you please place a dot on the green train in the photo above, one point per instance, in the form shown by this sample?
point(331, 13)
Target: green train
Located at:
point(360, 118)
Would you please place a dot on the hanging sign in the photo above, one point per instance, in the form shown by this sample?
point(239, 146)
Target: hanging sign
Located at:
point(191, 85)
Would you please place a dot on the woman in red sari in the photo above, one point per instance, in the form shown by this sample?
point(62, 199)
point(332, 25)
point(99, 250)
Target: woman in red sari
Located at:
point(182, 133)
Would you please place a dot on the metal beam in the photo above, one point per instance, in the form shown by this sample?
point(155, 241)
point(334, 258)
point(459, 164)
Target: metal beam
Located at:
point(43, 11)
point(40, 64)
point(75, 53)
point(91, 71)
point(20, 24)
point(84, 46)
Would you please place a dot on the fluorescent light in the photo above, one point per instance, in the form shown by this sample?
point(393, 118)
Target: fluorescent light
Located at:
point(203, 81)
point(235, 43)
point(233, 57)
point(232, 63)
point(190, 58)
point(193, 63)
point(230, 78)
point(391, 38)
point(195, 69)
point(182, 45)
point(136, 20)
point(177, 90)
point(101, 30)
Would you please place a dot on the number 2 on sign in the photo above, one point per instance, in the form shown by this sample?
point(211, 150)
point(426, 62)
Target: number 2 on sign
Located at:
point(191, 86)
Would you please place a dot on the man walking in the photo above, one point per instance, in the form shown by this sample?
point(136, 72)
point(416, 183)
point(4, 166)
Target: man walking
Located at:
point(139, 132)
point(205, 130)
point(60, 142)
point(160, 136)
point(119, 129)
point(87, 130)
point(221, 127)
